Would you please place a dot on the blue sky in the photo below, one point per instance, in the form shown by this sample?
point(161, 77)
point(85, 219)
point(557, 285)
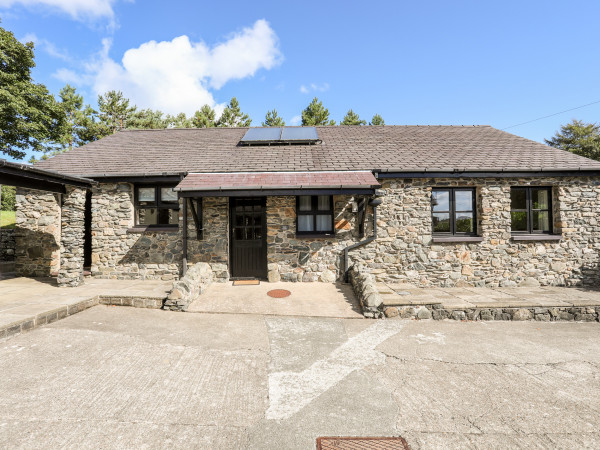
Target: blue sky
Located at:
point(460, 63)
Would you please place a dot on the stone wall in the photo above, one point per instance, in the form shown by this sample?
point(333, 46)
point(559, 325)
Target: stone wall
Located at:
point(70, 273)
point(296, 258)
point(37, 233)
point(366, 292)
point(119, 253)
point(189, 287)
point(7, 244)
point(405, 252)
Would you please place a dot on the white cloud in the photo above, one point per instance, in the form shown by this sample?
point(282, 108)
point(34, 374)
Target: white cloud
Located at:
point(296, 120)
point(177, 75)
point(313, 87)
point(46, 46)
point(77, 9)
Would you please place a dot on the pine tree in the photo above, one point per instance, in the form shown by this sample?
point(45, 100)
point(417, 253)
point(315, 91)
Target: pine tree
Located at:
point(351, 118)
point(233, 117)
point(377, 120)
point(146, 119)
point(578, 137)
point(114, 112)
point(205, 118)
point(273, 120)
point(178, 121)
point(316, 114)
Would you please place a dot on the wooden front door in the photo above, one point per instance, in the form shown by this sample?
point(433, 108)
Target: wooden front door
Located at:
point(248, 237)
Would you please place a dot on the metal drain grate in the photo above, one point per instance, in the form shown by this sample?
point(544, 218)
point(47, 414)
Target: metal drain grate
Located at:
point(279, 293)
point(362, 443)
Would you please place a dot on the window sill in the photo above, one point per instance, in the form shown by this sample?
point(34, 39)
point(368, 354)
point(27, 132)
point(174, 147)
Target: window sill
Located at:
point(315, 236)
point(450, 239)
point(139, 230)
point(537, 237)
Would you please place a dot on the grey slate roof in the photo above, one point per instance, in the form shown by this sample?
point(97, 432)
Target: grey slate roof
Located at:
point(387, 148)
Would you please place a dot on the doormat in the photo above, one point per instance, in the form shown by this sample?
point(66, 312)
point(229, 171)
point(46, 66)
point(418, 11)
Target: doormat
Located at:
point(362, 443)
point(246, 282)
point(279, 293)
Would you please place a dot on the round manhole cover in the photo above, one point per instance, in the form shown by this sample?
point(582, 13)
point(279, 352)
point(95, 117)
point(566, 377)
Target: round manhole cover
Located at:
point(279, 293)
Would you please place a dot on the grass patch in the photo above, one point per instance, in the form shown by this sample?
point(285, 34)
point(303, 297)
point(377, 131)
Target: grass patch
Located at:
point(7, 219)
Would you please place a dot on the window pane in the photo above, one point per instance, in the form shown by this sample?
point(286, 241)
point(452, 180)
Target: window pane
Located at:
point(304, 203)
point(257, 233)
point(168, 216)
point(146, 194)
point(518, 198)
point(147, 216)
point(168, 195)
point(464, 222)
point(324, 203)
point(518, 220)
point(324, 222)
point(464, 200)
point(238, 234)
point(540, 199)
point(541, 221)
point(440, 200)
point(441, 222)
point(305, 223)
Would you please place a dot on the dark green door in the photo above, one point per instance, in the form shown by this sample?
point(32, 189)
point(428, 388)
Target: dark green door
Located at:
point(248, 237)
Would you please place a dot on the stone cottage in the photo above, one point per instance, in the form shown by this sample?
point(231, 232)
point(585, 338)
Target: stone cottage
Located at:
point(428, 205)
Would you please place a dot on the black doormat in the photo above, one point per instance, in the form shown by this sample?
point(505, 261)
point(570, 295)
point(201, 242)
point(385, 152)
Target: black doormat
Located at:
point(362, 443)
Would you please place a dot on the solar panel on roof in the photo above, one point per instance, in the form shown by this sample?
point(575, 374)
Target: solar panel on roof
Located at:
point(280, 135)
point(305, 134)
point(267, 134)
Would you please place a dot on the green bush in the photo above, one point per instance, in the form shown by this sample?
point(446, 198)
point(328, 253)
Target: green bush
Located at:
point(8, 198)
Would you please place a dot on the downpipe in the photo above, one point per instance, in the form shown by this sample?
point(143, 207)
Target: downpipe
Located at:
point(374, 202)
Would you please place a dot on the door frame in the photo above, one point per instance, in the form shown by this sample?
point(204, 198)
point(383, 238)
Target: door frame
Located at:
point(264, 247)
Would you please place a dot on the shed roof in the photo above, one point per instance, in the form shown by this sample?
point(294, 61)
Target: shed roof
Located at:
point(341, 148)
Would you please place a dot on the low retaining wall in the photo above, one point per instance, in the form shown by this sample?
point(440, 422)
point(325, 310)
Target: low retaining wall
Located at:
point(438, 312)
point(7, 245)
point(189, 287)
point(366, 291)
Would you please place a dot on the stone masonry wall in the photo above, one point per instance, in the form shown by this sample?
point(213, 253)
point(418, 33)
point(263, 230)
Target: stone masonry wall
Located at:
point(7, 245)
point(37, 233)
point(293, 258)
point(119, 253)
point(405, 252)
point(70, 272)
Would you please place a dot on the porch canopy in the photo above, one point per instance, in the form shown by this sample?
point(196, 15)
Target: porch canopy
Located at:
point(254, 184)
point(26, 176)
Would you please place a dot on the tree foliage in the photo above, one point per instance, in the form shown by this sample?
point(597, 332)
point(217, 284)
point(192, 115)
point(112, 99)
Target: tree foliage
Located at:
point(316, 114)
point(29, 114)
point(377, 120)
point(233, 116)
point(351, 118)
point(8, 202)
point(178, 121)
point(578, 137)
point(114, 112)
point(272, 119)
point(204, 118)
point(146, 119)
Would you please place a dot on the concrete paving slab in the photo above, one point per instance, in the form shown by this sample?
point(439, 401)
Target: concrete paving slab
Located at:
point(306, 299)
point(114, 377)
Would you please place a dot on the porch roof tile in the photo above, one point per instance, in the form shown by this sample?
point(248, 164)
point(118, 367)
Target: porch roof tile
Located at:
point(278, 180)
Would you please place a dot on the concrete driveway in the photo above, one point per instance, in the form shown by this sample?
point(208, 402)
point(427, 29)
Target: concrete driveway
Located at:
point(115, 377)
